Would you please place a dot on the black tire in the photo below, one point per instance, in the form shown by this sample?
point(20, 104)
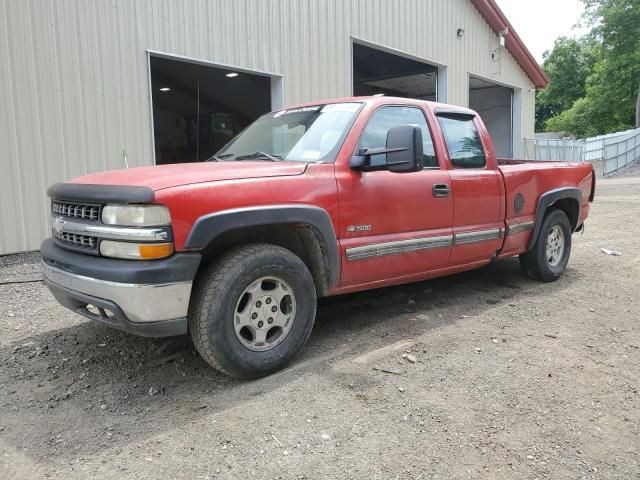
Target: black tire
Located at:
point(217, 293)
point(535, 263)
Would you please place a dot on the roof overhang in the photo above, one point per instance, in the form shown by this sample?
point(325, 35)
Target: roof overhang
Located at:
point(498, 23)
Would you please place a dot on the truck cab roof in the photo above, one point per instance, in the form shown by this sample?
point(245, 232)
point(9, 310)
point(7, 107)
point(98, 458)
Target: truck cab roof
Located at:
point(379, 100)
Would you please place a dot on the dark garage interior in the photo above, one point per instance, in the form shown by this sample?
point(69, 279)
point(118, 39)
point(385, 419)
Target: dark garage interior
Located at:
point(379, 72)
point(494, 103)
point(198, 108)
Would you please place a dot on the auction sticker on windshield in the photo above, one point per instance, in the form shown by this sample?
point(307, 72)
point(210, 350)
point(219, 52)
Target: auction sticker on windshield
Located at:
point(296, 110)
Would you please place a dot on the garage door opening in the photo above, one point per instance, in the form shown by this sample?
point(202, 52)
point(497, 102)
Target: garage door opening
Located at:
point(494, 103)
point(379, 72)
point(198, 108)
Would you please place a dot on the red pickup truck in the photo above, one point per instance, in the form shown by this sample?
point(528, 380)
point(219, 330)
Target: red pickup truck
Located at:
point(315, 200)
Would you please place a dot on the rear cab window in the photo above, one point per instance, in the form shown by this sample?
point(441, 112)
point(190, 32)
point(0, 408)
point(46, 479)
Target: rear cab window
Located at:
point(386, 118)
point(463, 141)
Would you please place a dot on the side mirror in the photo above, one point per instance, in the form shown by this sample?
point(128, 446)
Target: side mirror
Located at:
point(403, 150)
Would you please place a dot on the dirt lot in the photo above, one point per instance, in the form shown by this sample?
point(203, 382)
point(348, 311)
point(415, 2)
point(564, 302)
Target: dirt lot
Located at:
point(513, 379)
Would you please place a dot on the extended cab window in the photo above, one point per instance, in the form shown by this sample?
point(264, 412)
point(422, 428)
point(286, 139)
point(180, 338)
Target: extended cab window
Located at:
point(385, 118)
point(463, 141)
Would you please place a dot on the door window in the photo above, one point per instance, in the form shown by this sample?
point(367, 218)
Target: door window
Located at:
point(385, 118)
point(463, 141)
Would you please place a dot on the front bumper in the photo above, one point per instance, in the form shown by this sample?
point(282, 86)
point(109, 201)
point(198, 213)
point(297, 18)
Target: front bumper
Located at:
point(148, 298)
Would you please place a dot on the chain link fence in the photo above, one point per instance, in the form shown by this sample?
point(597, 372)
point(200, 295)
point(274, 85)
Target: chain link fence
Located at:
point(614, 151)
point(552, 150)
point(622, 151)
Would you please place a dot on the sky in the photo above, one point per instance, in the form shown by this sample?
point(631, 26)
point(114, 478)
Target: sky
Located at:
point(540, 22)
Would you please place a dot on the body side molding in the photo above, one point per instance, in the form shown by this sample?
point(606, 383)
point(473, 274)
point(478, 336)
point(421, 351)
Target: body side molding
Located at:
point(520, 227)
point(210, 226)
point(549, 198)
point(475, 236)
point(422, 243)
point(400, 246)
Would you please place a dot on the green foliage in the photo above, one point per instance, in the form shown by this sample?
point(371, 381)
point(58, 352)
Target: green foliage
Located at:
point(576, 120)
point(606, 97)
point(568, 65)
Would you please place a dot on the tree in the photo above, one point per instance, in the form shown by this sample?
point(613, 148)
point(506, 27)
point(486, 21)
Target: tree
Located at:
point(568, 65)
point(610, 102)
point(617, 81)
point(577, 120)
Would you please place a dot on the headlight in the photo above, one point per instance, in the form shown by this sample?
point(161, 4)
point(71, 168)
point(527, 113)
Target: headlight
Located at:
point(135, 251)
point(136, 215)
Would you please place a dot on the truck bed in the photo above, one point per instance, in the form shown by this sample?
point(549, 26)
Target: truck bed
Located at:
point(525, 180)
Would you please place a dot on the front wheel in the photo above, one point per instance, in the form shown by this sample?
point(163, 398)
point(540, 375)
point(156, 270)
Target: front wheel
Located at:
point(548, 258)
point(252, 310)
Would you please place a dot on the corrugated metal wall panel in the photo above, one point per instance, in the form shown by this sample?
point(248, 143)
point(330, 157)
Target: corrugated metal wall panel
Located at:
point(76, 73)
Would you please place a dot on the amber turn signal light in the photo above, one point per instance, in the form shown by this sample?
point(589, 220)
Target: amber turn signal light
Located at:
point(135, 251)
point(155, 250)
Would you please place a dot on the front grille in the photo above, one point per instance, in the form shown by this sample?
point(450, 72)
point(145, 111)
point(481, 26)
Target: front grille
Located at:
point(76, 210)
point(83, 242)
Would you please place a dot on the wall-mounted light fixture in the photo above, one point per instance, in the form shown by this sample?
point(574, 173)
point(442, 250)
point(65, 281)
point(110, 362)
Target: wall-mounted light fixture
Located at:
point(460, 32)
point(231, 75)
point(165, 89)
point(503, 37)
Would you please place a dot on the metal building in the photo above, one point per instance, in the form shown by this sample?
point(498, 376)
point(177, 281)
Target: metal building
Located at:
point(104, 84)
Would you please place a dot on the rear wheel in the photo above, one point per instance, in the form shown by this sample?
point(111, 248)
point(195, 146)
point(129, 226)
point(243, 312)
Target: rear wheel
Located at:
point(548, 258)
point(253, 310)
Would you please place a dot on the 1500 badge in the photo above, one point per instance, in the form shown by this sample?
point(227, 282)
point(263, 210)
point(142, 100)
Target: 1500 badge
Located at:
point(358, 228)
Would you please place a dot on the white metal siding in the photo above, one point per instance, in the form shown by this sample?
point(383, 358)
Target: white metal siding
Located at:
point(74, 73)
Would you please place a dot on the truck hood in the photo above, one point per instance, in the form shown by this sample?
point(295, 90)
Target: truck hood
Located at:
point(166, 176)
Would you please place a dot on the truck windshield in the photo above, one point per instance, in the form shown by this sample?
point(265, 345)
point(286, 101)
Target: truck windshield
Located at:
point(304, 134)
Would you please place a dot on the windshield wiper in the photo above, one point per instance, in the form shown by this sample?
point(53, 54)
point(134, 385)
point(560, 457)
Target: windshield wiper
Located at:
point(253, 156)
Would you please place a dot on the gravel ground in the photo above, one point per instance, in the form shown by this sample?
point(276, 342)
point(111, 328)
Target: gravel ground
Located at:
point(484, 374)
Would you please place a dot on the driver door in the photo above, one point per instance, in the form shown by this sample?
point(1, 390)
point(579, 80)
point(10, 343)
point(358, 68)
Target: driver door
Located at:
point(394, 225)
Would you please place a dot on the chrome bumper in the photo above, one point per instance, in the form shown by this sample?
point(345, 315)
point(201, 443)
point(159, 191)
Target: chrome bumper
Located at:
point(140, 303)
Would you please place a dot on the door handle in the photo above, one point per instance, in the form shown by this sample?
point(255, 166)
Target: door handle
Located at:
point(441, 190)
